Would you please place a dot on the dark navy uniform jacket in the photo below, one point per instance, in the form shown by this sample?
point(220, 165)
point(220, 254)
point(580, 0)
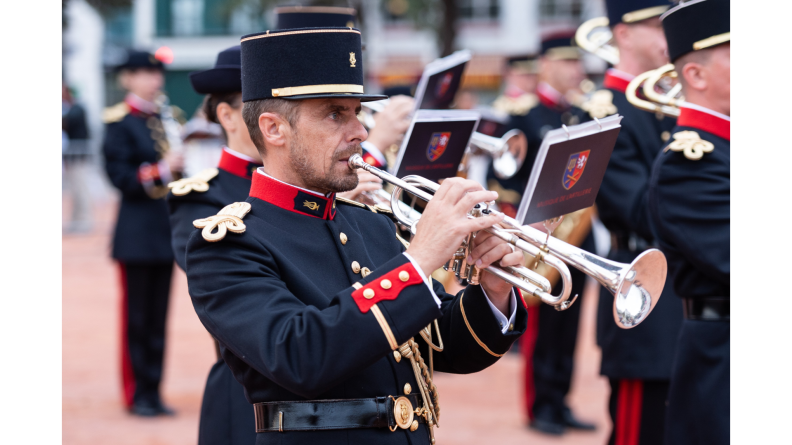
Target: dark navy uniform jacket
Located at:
point(299, 305)
point(226, 415)
point(689, 201)
point(646, 351)
point(228, 183)
point(133, 148)
point(550, 113)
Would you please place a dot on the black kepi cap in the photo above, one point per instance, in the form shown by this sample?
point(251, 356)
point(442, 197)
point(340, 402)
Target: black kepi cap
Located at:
point(308, 63)
point(560, 46)
point(140, 59)
point(696, 25)
point(632, 11)
point(225, 77)
point(290, 17)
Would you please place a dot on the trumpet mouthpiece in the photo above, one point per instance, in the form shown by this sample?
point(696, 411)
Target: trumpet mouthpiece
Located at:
point(356, 161)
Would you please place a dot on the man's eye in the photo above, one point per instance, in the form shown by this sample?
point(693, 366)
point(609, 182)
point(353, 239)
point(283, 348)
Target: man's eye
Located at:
point(334, 115)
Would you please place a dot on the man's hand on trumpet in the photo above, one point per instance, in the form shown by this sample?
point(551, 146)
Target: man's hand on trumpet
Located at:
point(445, 224)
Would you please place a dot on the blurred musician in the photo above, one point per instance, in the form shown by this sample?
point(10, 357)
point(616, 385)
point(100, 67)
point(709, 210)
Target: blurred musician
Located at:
point(689, 205)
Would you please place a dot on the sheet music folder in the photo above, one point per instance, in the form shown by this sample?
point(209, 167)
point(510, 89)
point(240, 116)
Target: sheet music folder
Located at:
point(435, 143)
point(568, 170)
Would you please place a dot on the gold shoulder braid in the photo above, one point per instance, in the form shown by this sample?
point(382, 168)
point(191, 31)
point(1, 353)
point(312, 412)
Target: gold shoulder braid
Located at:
point(518, 106)
point(600, 105)
point(229, 218)
point(350, 202)
point(197, 183)
point(691, 144)
point(115, 113)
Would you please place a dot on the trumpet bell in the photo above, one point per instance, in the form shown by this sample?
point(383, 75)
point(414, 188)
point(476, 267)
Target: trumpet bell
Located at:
point(507, 152)
point(639, 288)
point(595, 37)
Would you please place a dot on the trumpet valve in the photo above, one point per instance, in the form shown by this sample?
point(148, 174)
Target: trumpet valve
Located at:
point(473, 274)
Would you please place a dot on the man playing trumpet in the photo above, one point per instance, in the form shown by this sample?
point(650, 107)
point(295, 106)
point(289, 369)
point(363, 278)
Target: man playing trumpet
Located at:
point(319, 310)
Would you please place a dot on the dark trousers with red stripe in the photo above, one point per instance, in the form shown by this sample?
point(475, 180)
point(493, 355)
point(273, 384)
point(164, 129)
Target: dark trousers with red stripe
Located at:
point(637, 409)
point(145, 290)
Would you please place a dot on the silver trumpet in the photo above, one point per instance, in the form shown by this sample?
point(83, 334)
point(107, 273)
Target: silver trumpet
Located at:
point(636, 286)
point(507, 152)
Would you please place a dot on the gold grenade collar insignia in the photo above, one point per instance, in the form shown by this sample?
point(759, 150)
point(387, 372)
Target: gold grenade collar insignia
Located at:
point(690, 144)
point(229, 218)
point(198, 183)
point(600, 105)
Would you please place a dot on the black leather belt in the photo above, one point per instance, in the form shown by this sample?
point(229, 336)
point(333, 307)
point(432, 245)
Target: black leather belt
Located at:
point(706, 309)
point(318, 415)
point(629, 242)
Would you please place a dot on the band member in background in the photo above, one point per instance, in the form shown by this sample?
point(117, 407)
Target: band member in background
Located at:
point(316, 304)
point(518, 99)
point(689, 205)
point(637, 362)
point(139, 163)
point(549, 349)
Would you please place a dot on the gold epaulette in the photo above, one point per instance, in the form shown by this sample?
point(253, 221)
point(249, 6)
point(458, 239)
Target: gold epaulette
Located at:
point(516, 106)
point(350, 202)
point(115, 113)
point(229, 218)
point(690, 144)
point(600, 104)
point(179, 114)
point(197, 183)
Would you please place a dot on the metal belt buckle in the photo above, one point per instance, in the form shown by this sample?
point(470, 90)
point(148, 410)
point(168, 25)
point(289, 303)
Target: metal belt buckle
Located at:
point(403, 412)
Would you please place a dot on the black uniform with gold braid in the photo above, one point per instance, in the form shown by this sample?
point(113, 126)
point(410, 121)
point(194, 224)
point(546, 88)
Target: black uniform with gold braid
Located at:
point(318, 313)
point(689, 205)
point(134, 146)
point(637, 362)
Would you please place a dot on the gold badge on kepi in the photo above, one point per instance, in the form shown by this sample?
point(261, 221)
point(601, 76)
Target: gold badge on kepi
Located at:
point(352, 60)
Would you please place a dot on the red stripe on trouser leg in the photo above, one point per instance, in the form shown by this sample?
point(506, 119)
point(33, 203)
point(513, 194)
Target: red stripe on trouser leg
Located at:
point(527, 346)
point(635, 412)
point(127, 375)
point(628, 412)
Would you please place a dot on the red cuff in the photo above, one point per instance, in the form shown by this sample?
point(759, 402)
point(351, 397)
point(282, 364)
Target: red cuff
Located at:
point(386, 287)
point(148, 173)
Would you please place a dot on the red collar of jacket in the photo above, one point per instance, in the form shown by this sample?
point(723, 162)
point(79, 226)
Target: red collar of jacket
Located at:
point(704, 119)
point(236, 164)
point(617, 80)
point(550, 97)
point(291, 198)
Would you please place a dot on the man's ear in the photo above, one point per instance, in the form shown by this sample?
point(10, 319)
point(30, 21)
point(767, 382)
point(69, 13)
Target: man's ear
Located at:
point(621, 35)
point(275, 130)
point(223, 112)
point(695, 76)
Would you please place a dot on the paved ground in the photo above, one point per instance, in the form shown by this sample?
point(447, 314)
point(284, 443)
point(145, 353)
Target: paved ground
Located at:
point(92, 408)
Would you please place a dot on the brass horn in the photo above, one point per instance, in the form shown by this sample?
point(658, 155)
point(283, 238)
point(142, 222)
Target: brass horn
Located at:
point(596, 37)
point(636, 286)
point(507, 152)
point(662, 92)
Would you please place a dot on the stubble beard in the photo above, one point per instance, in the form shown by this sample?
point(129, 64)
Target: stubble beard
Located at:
point(309, 168)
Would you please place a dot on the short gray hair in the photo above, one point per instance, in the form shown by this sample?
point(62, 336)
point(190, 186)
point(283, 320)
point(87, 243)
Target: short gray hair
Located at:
point(251, 110)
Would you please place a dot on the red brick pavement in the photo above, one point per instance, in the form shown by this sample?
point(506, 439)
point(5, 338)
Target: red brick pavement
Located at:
point(92, 407)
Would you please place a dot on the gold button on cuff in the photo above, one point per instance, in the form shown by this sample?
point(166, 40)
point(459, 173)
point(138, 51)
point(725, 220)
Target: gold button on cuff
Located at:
point(368, 294)
point(355, 266)
point(404, 276)
point(407, 388)
point(386, 284)
point(365, 272)
point(343, 238)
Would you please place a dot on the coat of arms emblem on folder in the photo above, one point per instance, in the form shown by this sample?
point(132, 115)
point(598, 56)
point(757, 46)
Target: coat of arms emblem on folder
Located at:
point(574, 168)
point(437, 145)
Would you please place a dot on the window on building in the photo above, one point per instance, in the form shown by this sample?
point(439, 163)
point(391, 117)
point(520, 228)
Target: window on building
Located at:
point(561, 9)
point(185, 18)
point(479, 9)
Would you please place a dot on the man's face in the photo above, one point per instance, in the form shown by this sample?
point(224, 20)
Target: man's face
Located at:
point(564, 74)
point(719, 76)
point(649, 43)
point(326, 134)
point(146, 83)
point(523, 81)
